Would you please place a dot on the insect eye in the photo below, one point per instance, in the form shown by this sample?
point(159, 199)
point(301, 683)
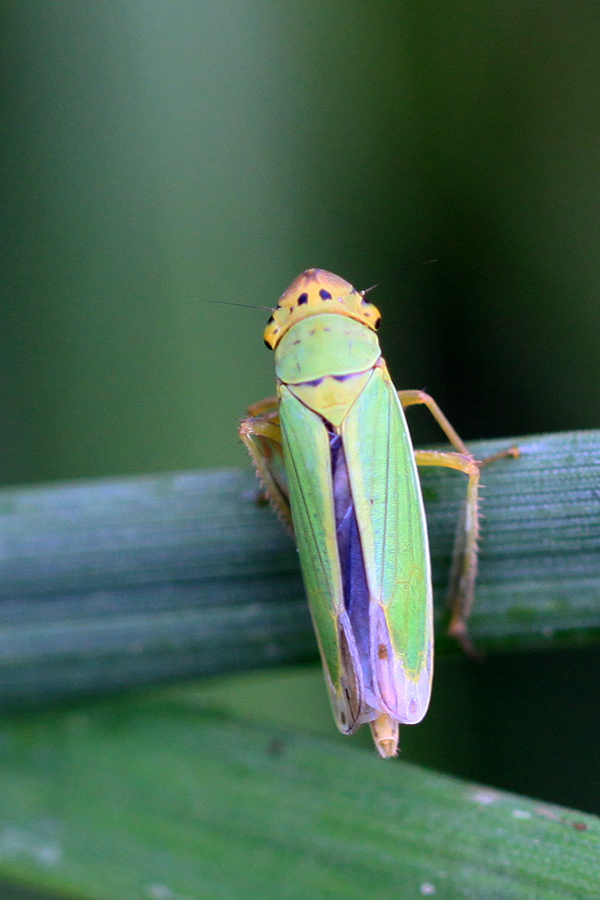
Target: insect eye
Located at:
point(377, 323)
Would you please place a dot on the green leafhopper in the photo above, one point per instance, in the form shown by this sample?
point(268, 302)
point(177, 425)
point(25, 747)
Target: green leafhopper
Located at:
point(353, 498)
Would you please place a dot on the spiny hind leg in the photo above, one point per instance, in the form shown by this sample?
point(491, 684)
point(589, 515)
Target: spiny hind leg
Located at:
point(463, 571)
point(261, 434)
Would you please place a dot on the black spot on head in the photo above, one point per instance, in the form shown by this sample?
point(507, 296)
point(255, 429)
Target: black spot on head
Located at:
point(377, 323)
point(271, 319)
point(325, 295)
point(302, 299)
point(267, 345)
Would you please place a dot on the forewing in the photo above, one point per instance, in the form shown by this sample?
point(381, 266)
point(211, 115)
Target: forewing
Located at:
point(308, 468)
point(391, 519)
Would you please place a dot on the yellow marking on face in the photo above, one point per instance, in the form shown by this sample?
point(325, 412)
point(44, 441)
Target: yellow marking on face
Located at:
point(313, 292)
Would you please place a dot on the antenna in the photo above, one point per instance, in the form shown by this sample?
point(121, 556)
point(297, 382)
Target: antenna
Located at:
point(230, 303)
point(372, 288)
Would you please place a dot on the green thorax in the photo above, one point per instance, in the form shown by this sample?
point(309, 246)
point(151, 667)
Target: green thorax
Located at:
point(325, 344)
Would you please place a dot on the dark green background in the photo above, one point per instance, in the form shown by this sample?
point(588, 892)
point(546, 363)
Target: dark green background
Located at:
point(155, 153)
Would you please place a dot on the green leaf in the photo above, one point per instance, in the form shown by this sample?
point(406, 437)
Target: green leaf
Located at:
point(118, 582)
point(129, 800)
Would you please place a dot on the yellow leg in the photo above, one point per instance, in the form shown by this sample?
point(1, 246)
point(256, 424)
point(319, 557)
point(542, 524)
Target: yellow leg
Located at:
point(463, 571)
point(267, 408)
point(421, 398)
point(262, 436)
point(415, 398)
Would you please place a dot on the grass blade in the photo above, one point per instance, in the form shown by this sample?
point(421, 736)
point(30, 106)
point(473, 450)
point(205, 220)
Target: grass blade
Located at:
point(129, 800)
point(108, 584)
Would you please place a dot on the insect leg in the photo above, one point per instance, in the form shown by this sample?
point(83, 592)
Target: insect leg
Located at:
point(414, 398)
point(421, 398)
point(461, 588)
point(267, 408)
point(463, 571)
point(262, 436)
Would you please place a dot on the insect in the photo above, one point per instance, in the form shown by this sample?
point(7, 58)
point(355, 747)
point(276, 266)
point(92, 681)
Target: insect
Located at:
point(352, 496)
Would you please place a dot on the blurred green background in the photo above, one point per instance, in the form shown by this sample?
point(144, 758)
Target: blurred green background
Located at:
point(157, 154)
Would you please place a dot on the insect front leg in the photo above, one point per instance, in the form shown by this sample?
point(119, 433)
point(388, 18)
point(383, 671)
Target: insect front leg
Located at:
point(261, 433)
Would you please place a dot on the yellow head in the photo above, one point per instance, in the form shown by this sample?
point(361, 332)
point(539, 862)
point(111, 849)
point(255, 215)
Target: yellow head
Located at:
point(317, 291)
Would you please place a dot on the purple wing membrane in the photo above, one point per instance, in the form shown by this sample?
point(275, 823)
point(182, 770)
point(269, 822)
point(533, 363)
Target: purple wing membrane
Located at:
point(354, 576)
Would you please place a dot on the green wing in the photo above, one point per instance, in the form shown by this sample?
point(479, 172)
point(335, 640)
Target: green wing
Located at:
point(308, 469)
point(391, 519)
